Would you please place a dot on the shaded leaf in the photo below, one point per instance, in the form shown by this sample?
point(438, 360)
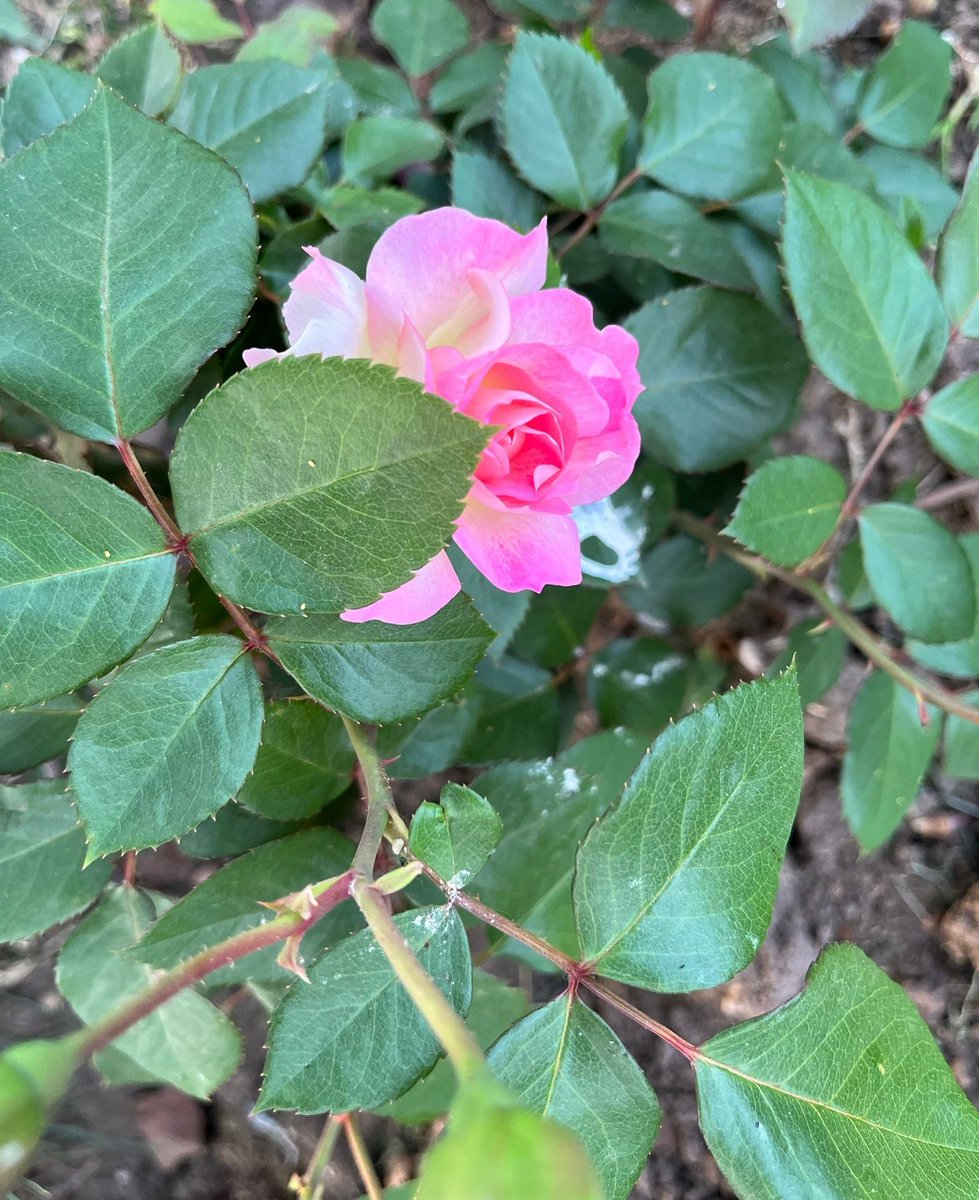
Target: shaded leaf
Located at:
point(818, 650)
point(951, 421)
point(683, 584)
point(812, 22)
point(144, 68)
point(32, 735)
point(40, 97)
point(421, 34)
point(292, 36)
point(960, 659)
point(485, 186)
point(377, 147)
point(958, 259)
point(905, 90)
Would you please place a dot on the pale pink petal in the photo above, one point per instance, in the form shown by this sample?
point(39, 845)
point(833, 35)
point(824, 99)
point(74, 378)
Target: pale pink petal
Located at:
point(546, 373)
point(413, 360)
point(600, 466)
point(429, 589)
point(254, 357)
point(520, 549)
point(480, 321)
point(326, 312)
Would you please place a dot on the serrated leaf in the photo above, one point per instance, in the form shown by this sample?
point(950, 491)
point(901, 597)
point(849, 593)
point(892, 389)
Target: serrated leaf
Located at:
point(892, 737)
point(376, 88)
point(788, 508)
point(166, 743)
point(812, 22)
point(951, 421)
point(42, 849)
point(959, 659)
point(905, 90)
point(918, 572)
point(292, 36)
point(712, 127)
point(186, 1041)
point(901, 176)
point(470, 83)
point(550, 82)
point(233, 830)
point(344, 445)
point(377, 147)
point(304, 762)
point(696, 843)
point(377, 672)
point(843, 1088)
point(818, 650)
point(564, 1062)
point(129, 258)
point(502, 611)
point(722, 374)
point(870, 313)
point(266, 118)
point(639, 683)
point(421, 34)
point(457, 835)
point(347, 206)
point(144, 68)
point(351, 1037)
point(195, 22)
point(681, 583)
point(40, 97)
point(485, 186)
point(799, 83)
point(32, 735)
point(958, 259)
point(557, 624)
point(84, 577)
point(519, 713)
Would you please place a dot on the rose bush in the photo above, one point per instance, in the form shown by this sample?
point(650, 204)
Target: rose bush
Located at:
point(455, 302)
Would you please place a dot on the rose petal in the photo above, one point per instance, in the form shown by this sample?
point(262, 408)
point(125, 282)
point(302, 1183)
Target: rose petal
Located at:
point(253, 357)
point(428, 590)
point(520, 549)
point(326, 312)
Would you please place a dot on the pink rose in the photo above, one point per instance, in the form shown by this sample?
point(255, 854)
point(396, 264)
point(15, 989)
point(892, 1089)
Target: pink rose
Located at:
point(454, 302)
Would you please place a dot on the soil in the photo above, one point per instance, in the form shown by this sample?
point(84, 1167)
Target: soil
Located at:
point(913, 907)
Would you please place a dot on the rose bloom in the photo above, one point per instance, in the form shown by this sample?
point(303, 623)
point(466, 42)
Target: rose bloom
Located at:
point(454, 302)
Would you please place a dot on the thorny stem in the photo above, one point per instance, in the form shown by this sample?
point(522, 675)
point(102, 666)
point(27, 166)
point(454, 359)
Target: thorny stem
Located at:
point(358, 1151)
point(593, 215)
point(910, 408)
point(379, 798)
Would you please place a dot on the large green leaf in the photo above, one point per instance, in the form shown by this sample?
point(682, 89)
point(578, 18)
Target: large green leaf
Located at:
point(892, 738)
point(674, 886)
point(457, 835)
point(347, 450)
point(722, 373)
point(905, 90)
point(815, 21)
point(129, 257)
point(841, 1094)
point(564, 1062)
point(84, 577)
point(42, 848)
point(352, 1037)
point(958, 259)
point(421, 34)
point(951, 421)
point(870, 313)
point(712, 127)
point(40, 97)
point(144, 68)
point(187, 1041)
point(918, 572)
point(166, 743)
point(377, 672)
point(550, 84)
point(32, 735)
point(266, 118)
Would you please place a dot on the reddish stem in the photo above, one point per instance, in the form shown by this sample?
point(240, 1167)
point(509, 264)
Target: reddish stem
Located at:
point(150, 498)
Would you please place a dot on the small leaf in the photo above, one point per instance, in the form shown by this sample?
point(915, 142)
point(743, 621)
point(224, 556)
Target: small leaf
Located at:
point(818, 651)
point(958, 259)
point(843, 1085)
point(485, 186)
point(347, 206)
point(951, 421)
point(352, 1037)
point(918, 572)
point(960, 759)
point(167, 743)
point(722, 374)
point(697, 841)
point(870, 313)
point(33, 735)
point(788, 508)
point(144, 68)
point(292, 36)
point(376, 148)
point(892, 736)
point(550, 83)
point(557, 624)
point(639, 683)
point(40, 97)
point(812, 22)
point(799, 82)
point(657, 19)
point(42, 849)
point(471, 83)
point(15, 29)
point(304, 762)
point(421, 34)
point(682, 583)
point(194, 21)
point(712, 127)
point(84, 577)
point(342, 443)
point(377, 89)
point(457, 835)
point(906, 89)
point(901, 177)
point(186, 1041)
point(959, 659)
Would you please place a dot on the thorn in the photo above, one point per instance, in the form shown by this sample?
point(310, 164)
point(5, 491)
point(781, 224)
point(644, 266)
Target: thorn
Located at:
point(290, 959)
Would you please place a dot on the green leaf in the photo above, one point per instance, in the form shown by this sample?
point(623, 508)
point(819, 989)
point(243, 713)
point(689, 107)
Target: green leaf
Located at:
point(722, 374)
point(870, 313)
point(519, 713)
point(266, 118)
point(639, 683)
point(194, 21)
point(696, 843)
point(565, 1063)
point(906, 89)
point(892, 737)
point(84, 577)
point(40, 97)
point(377, 89)
point(351, 1037)
point(30, 736)
point(788, 508)
point(681, 583)
point(187, 1041)
point(347, 206)
point(671, 231)
point(557, 624)
point(656, 19)
point(457, 835)
point(129, 259)
point(435, 742)
point(377, 672)
point(502, 611)
point(712, 127)
point(485, 186)
point(15, 29)
point(421, 34)
point(958, 259)
point(375, 148)
point(233, 830)
point(799, 82)
point(292, 36)
point(144, 68)
point(42, 849)
point(842, 1088)
point(305, 761)
point(812, 22)
point(901, 176)
point(818, 650)
point(960, 759)
point(471, 83)
point(960, 659)
point(918, 572)
point(951, 421)
point(228, 903)
point(550, 83)
point(347, 446)
point(166, 743)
